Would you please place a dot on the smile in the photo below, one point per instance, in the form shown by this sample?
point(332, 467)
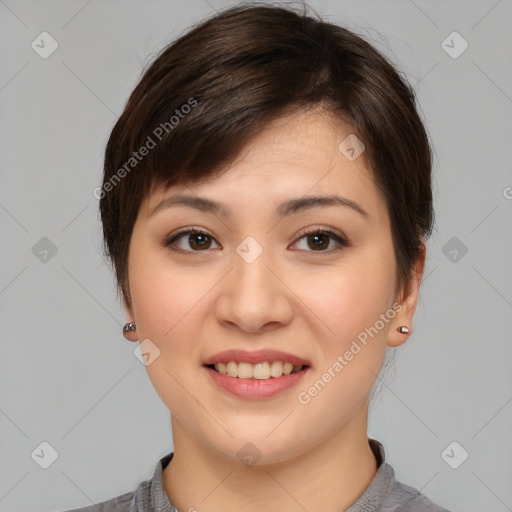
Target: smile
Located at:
point(262, 371)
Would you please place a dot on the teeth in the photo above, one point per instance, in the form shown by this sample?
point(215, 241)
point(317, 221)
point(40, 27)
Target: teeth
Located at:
point(262, 371)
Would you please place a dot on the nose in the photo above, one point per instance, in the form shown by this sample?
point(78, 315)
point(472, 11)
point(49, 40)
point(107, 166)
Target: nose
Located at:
point(253, 297)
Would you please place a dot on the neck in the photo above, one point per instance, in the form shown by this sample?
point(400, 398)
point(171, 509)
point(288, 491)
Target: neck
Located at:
point(328, 477)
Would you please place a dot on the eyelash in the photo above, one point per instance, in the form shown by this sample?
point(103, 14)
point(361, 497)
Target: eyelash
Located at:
point(307, 232)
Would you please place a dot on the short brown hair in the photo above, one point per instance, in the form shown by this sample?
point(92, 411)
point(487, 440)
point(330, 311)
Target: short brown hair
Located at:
point(235, 72)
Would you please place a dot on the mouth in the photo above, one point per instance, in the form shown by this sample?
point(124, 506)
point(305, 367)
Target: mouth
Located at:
point(262, 380)
point(264, 370)
point(256, 374)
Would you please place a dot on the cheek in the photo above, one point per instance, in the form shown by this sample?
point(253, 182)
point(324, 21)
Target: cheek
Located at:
point(350, 297)
point(169, 307)
point(164, 294)
point(354, 303)
point(169, 303)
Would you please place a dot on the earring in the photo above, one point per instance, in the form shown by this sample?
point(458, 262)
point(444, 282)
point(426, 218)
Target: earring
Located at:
point(403, 329)
point(128, 329)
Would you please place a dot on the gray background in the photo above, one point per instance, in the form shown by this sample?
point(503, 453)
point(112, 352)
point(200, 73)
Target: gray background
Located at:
point(67, 375)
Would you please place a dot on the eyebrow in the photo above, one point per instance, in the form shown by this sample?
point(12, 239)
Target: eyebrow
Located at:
point(285, 209)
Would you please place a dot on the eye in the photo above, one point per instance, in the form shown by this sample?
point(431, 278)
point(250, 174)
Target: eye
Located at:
point(197, 239)
point(320, 239)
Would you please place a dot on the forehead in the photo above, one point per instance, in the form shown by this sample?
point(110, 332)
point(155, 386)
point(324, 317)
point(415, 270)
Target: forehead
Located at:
point(293, 156)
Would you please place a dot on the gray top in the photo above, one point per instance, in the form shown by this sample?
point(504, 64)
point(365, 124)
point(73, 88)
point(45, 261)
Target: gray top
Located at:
point(384, 494)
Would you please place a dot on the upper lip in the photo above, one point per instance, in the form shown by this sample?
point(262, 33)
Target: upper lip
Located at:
point(258, 356)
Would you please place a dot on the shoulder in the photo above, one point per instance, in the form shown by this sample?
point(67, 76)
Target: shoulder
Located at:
point(127, 502)
point(387, 494)
point(121, 503)
point(404, 498)
point(147, 497)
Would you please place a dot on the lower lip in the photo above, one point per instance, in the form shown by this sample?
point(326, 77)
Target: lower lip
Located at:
point(256, 388)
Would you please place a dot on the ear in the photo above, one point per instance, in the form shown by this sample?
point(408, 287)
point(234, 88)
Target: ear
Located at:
point(408, 302)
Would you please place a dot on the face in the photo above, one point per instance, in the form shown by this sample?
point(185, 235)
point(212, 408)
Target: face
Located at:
point(315, 282)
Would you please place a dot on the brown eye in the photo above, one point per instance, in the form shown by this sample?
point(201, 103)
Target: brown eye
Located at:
point(197, 240)
point(318, 240)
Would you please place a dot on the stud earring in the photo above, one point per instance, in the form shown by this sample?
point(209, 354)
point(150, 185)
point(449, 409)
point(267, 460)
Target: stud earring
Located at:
point(128, 329)
point(403, 329)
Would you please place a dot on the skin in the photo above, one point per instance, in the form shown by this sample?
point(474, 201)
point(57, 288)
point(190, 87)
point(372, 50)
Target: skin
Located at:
point(309, 301)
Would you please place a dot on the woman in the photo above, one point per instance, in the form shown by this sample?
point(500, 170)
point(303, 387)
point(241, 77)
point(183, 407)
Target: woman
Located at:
point(265, 205)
